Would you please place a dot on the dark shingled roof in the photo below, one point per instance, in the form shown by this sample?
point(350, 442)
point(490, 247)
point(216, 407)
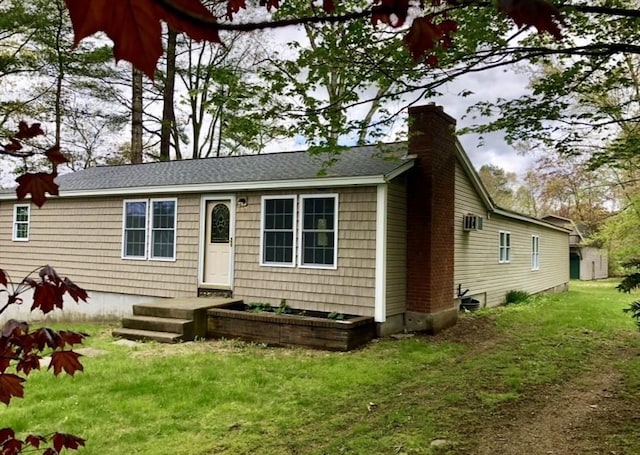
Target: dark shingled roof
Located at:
point(352, 162)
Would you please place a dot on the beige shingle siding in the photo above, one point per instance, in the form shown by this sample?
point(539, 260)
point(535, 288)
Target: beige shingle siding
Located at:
point(476, 252)
point(82, 239)
point(396, 285)
point(349, 289)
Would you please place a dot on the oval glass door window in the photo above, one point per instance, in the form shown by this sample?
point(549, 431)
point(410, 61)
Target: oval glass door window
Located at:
point(220, 224)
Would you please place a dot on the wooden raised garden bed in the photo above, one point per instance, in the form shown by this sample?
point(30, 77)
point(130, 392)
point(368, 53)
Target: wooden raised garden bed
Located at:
point(309, 329)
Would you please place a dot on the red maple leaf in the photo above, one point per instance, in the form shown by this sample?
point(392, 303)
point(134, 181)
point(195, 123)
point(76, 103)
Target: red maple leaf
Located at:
point(47, 297)
point(37, 185)
point(425, 35)
point(328, 6)
point(7, 354)
point(66, 441)
point(67, 361)
point(542, 15)
point(70, 338)
point(13, 146)
point(10, 386)
point(134, 25)
point(28, 363)
point(422, 37)
point(34, 440)
point(6, 433)
point(26, 131)
point(270, 4)
point(385, 11)
point(12, 447)
point(55, 155)
point(76, 292)
point(233, 6)
point(48, 337)
point(432, 60)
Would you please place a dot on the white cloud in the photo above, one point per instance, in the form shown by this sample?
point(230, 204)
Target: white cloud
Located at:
point(486, 86)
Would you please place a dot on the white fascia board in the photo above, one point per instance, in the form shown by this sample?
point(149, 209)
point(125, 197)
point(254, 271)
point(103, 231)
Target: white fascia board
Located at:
point(518, 217)
point(229, 186)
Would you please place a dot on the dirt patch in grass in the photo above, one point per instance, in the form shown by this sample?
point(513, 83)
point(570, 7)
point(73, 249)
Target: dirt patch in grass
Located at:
point(577, 417)
point(475, 331)
point(590, 413)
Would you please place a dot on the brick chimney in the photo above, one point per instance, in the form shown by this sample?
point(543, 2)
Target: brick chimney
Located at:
point(430, 221)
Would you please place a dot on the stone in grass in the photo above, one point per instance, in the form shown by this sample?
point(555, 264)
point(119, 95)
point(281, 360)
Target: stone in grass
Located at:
point(87, 352)
point(129, 343)
point(91, 352)
point(439, 443)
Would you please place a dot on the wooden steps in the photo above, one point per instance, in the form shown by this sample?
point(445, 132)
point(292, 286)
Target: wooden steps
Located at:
point(170, 320)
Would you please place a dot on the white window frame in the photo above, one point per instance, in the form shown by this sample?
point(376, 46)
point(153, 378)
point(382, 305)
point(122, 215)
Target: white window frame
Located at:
point(153, 229)
point(14, 236)
point(124, 228)
point(535, 252)
point(504, 247)
point(301, 263)
point(263, 220)
point(149, 229)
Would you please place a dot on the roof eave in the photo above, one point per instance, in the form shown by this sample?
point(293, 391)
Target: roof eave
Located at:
point(319, 182)
point(508, 214)
point(404, 167)
point(474, 177)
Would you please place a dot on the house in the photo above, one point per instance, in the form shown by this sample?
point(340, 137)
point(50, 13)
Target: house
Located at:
point(585, 262)
point(396, 239)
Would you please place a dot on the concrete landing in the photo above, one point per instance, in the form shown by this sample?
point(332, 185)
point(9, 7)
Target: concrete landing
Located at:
point(170, 320)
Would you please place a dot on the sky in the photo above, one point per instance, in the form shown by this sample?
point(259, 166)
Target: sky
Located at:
point(487, 86)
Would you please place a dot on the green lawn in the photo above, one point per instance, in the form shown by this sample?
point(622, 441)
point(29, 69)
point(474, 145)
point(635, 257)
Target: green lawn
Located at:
point(233, 398)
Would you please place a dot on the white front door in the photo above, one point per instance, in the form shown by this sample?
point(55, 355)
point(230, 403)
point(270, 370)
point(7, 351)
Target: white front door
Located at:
point(218, 243)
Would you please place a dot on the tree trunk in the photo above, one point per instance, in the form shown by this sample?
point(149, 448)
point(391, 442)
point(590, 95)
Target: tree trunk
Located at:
point(168, 113)
point(60, 76)
point(136, 117)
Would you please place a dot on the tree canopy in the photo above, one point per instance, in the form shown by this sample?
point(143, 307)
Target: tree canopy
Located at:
point(356, 44)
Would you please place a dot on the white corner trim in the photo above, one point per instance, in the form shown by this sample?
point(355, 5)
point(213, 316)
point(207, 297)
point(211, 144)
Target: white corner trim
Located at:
point(380, 312)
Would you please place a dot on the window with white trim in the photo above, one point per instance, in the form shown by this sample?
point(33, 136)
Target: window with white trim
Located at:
point(277, 237)
point(318, 230)
point(163, 229)
point(149, 229)
point(134, 239)
point(21, 217)
point(504, 247)
point(535, 252)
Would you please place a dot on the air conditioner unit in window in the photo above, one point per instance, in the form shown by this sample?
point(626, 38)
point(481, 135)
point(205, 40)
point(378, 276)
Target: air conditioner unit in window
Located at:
point(472, 222)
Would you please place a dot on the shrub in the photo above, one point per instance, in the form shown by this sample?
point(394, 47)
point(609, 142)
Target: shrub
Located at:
point(630, 283)
point(259, 307)
point(514, 296)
